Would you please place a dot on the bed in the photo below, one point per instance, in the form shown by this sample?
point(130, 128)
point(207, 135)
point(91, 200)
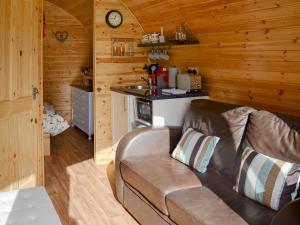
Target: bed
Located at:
point(53, 123)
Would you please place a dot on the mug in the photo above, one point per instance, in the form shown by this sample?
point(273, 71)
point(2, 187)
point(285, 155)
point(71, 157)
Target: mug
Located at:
point(146, 39)
point(154, 38)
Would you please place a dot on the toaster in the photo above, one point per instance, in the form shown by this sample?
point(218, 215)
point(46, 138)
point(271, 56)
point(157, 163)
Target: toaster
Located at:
point(189, 82)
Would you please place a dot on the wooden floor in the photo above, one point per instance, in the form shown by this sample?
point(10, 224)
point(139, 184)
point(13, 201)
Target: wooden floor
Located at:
point(81, 191)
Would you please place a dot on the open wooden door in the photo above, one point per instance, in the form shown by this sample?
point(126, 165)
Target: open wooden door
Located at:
point(21, 152)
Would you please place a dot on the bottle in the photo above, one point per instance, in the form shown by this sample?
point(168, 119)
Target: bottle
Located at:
point(161, 36)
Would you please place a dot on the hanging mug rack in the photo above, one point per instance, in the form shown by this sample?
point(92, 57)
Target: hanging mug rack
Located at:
point(159, 54)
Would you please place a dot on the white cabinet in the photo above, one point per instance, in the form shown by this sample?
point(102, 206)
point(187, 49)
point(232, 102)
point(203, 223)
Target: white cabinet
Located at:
point(83, 110)
point(165, 112)
point(171, 112)
point(122, 116)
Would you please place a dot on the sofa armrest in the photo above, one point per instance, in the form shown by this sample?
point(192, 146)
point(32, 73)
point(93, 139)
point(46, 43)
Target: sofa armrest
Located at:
point(288, 214)
point(144, 142)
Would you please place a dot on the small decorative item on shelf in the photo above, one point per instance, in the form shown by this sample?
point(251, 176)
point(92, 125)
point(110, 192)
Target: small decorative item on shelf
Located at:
point(87, 71)
point(87, 76)
point(170, 43)
point(162, 38)
point(122, 47)
point(154, 38)
point(181, 38)
point(180, 34)
point(146, 39)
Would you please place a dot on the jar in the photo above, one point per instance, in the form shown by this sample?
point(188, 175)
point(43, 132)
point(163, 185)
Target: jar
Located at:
point(180, 34)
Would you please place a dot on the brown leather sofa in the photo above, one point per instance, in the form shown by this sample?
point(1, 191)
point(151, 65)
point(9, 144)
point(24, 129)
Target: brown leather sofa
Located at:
point(159, 190)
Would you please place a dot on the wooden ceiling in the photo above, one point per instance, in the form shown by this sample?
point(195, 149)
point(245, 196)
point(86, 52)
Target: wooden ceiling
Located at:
point(171, 13)
point(151, 14)
point(81, 9)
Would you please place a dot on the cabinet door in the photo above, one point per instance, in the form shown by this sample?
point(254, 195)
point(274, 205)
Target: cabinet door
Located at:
point(120, 117)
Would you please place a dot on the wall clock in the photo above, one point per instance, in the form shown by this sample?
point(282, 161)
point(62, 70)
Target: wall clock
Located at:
point(114, 19)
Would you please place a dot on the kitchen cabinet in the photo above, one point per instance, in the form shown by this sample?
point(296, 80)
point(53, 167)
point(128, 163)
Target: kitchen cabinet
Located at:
point(125, 112)
point(122, 116)
point(171, 112)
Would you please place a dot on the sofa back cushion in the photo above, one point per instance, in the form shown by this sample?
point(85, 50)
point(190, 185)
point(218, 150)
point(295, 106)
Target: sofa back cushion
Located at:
point(225, 121)
point(273, 135)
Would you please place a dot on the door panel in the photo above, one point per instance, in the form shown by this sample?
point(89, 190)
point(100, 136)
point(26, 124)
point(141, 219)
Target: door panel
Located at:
point(21, 155)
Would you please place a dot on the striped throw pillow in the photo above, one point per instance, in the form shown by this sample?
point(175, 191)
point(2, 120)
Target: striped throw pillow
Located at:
point(195, 149)
point(271, 182)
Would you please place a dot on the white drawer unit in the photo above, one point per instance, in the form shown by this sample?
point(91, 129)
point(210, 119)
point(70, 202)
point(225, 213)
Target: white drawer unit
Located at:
point(83, 109)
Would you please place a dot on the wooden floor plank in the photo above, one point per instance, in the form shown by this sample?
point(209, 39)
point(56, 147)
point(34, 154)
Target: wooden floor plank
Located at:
point(81, 191)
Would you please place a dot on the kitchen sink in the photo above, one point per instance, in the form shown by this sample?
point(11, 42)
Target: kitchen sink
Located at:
point(137, 87)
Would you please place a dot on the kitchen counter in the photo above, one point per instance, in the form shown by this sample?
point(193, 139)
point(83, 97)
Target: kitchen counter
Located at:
point(156, 94)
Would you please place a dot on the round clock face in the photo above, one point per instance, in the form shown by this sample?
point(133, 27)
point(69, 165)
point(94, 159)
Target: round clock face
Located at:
point(114, 18)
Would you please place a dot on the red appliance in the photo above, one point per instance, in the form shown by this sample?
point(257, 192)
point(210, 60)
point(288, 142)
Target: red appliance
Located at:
point(159, 76)
point(162, 77)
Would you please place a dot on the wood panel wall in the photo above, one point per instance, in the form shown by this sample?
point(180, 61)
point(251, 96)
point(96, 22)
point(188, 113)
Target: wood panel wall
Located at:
point(21, 155)
point(63, 61)
point(112, 71)
point(249, 52)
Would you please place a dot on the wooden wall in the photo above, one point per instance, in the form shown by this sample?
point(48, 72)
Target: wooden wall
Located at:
point(21, 155)
point(112, 71)
point(80, 9)
point(63, 61)
point(249, 51)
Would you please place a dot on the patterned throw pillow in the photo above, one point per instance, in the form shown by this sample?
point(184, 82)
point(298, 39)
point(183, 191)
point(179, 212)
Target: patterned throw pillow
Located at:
point(195, 149)
point(271, 182)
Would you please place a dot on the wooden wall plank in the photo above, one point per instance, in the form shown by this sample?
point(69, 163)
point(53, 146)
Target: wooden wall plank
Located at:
point(110, 71)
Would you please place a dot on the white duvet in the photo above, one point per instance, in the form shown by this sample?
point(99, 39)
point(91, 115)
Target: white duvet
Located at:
point(53, 123)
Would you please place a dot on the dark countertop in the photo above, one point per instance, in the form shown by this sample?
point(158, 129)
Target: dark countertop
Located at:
point(156, 94)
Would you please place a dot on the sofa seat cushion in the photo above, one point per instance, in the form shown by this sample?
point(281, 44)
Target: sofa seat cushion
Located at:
point(200, 206)
point(157, 176)
point(250, 211)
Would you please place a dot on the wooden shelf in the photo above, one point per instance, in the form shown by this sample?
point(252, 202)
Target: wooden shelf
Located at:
point(170, 43)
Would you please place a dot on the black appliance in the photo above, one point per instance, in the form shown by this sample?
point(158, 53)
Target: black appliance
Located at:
point(143, 111)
